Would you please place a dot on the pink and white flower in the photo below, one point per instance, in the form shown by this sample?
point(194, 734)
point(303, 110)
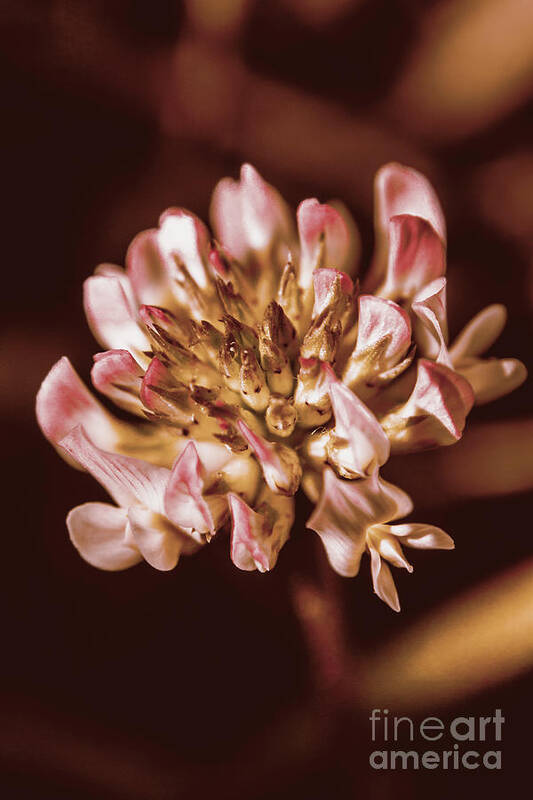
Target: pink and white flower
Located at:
point(250, 366)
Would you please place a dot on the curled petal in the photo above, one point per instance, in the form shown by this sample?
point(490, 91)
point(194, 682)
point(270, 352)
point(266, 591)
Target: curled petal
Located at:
point(421, 536)
point(358, 444)
point(186, 501)
point(148, 269)
point(117, 375)
point(129, 481)
point(383, 339)
point(401, 190)
point(332, 288)
point(400, 500)
point(435, 413)
point(381, 320)
point(280, 464)
point(417, 256)
point(431, 325)
point(381, 538)
point(479, 334)
point(324, 239)
point(492, 378)
point(345, 511)
point(99, 533)
point(249, 215)
point(159, 542)
point(383, 581)
point(111, 317)
point(63, 402)
point(256, 538)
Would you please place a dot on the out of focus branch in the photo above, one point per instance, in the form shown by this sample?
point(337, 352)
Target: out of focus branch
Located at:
point(474, 642)
point(492, 459)
point(201, 90)
point(474, 63)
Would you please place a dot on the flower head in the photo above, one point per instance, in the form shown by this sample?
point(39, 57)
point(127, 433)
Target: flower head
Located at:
point(251, 364)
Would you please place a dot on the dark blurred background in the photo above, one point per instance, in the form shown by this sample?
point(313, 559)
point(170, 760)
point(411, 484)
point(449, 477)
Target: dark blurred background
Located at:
point(197, 683)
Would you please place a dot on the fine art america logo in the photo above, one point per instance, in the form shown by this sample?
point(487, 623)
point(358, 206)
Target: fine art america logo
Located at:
point(466, 742)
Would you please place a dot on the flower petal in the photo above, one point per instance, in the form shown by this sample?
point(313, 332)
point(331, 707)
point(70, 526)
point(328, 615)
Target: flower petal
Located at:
point(249, 215)
point(422, 537)
point(381, 538)
point(119, 274)
point(159, 542)
point(324, 239)
point(186, 501)
point(401, 190)
point(325, 282)
point(129, 481)
point(148, 270)
point(117, 375)
point(351, 260)
point(343, 514)
point(280, 464)
point(494, 377)
point(417, 256)
point(435, 413)
point(383, 339)
point(400, 500)
point(111, 317)
point(431, 325)
point(98, 531)
point(358, 443)
point(383, 581)
point(256, 538)
point(185, 237)
point(479, 334)
point(162, 395)
point(63, 402)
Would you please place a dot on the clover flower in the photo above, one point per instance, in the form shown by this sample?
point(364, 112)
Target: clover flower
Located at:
point(252, 364)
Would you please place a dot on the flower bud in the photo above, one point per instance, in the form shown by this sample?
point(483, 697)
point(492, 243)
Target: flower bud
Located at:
point(280, 416)
point(233, 303)
point(322, 338)
point(311, 398)
point(289, 296)
point(254, 389)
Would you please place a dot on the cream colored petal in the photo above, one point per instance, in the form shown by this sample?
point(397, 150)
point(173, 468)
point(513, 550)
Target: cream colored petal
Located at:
point(383, 581)
point(422, 537)
point(130, 481)
point(111, 316)
point(159, 542)
point(431, 324)
point(98, 531)
point(493, 378)
point(479, 334)
point(382, 539)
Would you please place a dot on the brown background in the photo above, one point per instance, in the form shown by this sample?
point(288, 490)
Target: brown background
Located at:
point(192, 684)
